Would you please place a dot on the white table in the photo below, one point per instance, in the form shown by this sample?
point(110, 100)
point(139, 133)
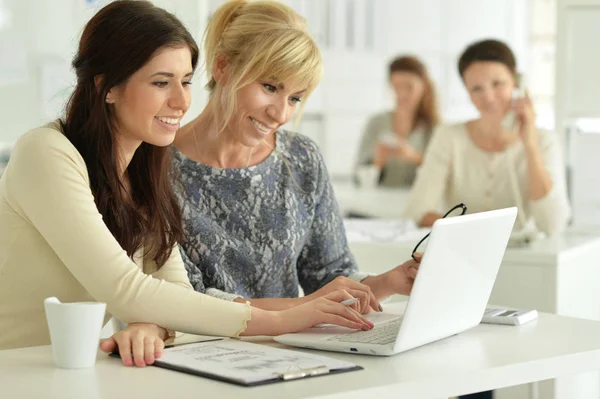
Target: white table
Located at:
point(558, 275)
point(373, 202)
point(482, 358)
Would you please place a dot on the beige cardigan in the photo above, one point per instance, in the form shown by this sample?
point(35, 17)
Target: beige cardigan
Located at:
point(53, 242)
point(455, 170)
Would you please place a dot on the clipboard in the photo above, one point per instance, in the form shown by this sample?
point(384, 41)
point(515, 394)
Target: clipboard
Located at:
point(228, 368)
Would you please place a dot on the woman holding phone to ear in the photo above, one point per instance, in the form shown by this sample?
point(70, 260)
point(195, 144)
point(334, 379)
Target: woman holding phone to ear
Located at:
point(487, 165)
point(88, 213)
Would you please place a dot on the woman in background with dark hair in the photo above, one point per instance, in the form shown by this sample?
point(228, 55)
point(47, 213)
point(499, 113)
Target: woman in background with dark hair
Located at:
point(88, 213)
point(394, 141)
point(488, 163)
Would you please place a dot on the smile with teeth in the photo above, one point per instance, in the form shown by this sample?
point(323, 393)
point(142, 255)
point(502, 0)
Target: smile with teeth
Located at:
point(169, 121)
point(260, 126)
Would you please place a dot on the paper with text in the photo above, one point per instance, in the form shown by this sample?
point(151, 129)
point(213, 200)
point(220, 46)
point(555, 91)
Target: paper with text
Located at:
point(244, 361)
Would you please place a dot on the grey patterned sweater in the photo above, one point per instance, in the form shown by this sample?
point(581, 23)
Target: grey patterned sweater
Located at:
point(259, 232)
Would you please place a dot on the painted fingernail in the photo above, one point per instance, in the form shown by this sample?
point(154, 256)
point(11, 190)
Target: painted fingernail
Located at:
point(380, 308)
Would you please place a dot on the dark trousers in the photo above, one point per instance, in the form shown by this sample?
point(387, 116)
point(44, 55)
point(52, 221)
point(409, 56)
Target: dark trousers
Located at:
point(479, 395)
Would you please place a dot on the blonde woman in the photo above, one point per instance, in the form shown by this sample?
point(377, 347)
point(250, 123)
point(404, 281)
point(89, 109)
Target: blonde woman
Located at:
point(394, 141)
point(87, 209)
point(260, 216)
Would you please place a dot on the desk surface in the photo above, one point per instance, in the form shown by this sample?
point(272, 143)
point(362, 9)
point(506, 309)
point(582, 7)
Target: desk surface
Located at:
point(482, 358)
point(389, 203)
point(374, 202)
point(560, 248)
point(548, 251)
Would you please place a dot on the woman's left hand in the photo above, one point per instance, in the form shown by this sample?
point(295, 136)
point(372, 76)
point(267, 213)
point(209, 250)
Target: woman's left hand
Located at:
point(401, 278)
point(138, 344)
point(523, 108)
point(398, 280)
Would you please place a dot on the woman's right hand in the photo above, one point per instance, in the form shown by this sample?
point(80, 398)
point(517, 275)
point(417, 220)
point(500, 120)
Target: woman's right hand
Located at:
point(382, 154)
point(325, 309)
point(403, 152)
point(368, 301)
point(139, 344)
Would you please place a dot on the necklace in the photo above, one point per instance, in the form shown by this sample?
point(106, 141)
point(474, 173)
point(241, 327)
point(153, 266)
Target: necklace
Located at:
point(200, 156)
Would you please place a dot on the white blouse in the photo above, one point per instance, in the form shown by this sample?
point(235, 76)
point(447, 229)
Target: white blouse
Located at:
point(455, 170)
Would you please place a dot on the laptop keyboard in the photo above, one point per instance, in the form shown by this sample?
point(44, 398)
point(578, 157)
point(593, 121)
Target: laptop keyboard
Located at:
point(381, 334)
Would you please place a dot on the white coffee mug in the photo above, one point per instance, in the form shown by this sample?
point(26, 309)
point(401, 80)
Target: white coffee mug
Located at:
point(74, 331)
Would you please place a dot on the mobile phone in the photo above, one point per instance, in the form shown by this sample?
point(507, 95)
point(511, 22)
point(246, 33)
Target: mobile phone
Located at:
point(509, 122)
point(389, 139)
point(515, 317)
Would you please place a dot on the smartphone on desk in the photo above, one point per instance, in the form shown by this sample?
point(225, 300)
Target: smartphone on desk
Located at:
point(509, 122)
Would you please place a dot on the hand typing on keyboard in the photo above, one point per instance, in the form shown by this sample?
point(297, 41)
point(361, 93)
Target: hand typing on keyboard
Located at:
point(382, 334)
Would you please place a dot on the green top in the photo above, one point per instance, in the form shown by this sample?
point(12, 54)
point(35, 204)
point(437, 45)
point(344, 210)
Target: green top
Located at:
point(395, 173)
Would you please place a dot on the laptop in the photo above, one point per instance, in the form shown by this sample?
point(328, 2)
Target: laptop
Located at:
point(449, 295)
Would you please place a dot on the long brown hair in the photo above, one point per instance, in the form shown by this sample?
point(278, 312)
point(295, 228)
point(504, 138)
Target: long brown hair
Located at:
point(120, 39)
point(427, 112)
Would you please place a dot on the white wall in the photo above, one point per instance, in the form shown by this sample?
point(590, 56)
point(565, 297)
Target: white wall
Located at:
point(542, 49)
point(356, 55)
point(40, 44)
point(354, 84)
point(576, 104)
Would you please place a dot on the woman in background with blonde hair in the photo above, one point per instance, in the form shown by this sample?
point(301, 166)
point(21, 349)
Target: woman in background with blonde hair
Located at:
point(394, 141)
point(259, 213)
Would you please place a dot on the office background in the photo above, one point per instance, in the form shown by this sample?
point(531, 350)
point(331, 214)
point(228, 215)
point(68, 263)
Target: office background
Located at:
point(555, 41)
point(358, 39)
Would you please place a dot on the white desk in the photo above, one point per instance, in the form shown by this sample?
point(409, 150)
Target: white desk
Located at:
point(556, 275)
point(483, 358)
point(379, 202)
point(559, 275)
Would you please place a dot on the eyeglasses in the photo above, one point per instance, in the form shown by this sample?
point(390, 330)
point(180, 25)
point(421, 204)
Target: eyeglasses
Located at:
point(461, 206)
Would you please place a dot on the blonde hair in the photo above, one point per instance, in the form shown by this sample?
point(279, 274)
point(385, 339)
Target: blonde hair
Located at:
point(259, 40)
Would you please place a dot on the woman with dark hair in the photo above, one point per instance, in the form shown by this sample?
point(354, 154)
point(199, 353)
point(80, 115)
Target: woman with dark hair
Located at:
point(394, 141)
point(87, 210)
point(498, 160)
